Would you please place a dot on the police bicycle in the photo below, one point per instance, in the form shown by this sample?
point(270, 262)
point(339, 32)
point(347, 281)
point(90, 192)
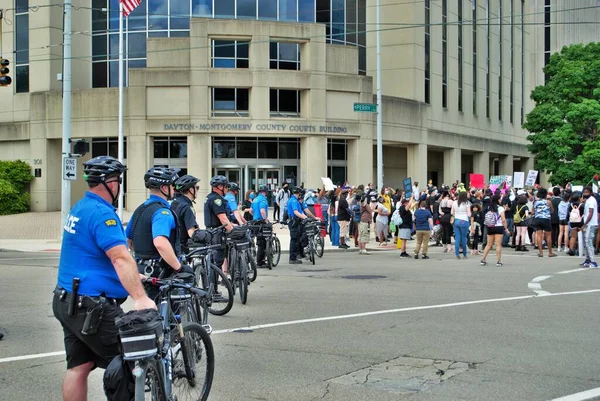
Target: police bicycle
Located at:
point(207, 273)
point(238, 257)
point(171, 360)
point(310, 229)
point(262, 229)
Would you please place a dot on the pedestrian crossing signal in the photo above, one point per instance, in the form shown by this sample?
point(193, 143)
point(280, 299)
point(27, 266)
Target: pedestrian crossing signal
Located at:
point(5, 79)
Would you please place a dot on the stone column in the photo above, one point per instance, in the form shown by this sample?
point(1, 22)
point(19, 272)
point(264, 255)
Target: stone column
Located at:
point(360, 161)
point(313, 161)
point(199, 166)
point(506, 165)
point(481, 164)
point(417, 163)
point(452, 163)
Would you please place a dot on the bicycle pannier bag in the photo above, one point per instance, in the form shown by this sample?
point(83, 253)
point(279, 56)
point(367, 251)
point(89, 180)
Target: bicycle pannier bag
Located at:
point(141, 333)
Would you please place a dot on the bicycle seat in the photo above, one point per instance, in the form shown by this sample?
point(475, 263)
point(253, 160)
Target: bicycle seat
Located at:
point(185, 277)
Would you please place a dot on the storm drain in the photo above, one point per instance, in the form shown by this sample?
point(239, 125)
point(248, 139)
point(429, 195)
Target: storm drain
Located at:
point(403, 375)
point(364, 277)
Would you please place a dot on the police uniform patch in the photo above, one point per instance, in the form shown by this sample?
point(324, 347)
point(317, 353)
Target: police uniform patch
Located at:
point(111, 222)
point(218, 202)
point(165, 212)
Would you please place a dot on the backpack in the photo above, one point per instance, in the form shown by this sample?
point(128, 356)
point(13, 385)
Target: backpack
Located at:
point(491, 219)
point(575, 216)
point(356, 213)
point(396, 219)
point(518, 218)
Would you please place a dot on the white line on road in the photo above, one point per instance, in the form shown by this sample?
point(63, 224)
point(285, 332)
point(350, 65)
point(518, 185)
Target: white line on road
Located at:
point(584, 395)
point(540, 278)
point(535, 286)
point(350, 316)
point(573, 271)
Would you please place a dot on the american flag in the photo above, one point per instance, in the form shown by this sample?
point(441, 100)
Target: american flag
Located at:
point(129, 6)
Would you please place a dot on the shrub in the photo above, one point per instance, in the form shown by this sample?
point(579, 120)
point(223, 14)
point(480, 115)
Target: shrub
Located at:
point(17, 172)
point(14, 176)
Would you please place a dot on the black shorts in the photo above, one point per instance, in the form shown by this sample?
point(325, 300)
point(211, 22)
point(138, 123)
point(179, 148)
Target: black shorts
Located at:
point(563, 222)
point(99, 348)
point(495, 230)
point(577, 225)
point(542, 224)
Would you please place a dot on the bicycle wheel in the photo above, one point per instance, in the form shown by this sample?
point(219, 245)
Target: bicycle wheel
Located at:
point(269, 253)
point(232, 269)
point(149, 386)
point(193, 364)
point(320, 245)
point(243, 276)
point(252, 265)
point(222, 304)
point(311, 250)
point(276, 250)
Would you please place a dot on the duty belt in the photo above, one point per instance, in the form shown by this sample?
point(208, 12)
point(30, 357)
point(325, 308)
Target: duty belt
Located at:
point(147, 267)
point(85, 301)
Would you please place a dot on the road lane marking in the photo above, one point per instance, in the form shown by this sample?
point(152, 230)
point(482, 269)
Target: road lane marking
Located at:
point(584, 395)
point(350, 316)
point(536, 286)
point(573, 271)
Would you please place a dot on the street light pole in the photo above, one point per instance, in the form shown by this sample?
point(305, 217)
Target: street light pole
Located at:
point(379, 110)
point(66, 109)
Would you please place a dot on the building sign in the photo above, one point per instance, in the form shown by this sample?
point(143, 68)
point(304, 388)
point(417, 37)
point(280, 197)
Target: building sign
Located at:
point(215, 127)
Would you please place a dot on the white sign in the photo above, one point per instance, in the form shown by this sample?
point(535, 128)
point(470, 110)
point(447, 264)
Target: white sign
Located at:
point(328, 184)
point(531, 177)
point(70, 168)
point(508, 181)
point(519, 179)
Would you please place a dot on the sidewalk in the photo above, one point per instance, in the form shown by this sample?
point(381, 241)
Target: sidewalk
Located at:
point(40, 232)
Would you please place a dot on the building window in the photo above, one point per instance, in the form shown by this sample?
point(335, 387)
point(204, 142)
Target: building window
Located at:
point(547, 20)
point(284, 103)
point(21, 46)
point(512, 62)
point(171, 151)
point(522, 64)
point(362, 36)
point(230, 54)
point(444, 53)
point(500, 58)
point(337, 156)
point(284, 56)
point(474, 59)
point(107, 147)
point(255, 148)
point(230, 102)
point(487, 59)
point(427, 51)
point(460, 55)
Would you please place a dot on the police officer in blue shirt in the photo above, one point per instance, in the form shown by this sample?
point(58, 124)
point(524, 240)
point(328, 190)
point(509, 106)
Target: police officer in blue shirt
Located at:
point(153, 231)
point(96, 272)
point(260, 212)
point(231, 198)
point(216, 213)
point(296, 214)
point(182, 206)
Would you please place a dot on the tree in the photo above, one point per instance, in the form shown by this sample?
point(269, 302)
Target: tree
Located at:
point(565, 122)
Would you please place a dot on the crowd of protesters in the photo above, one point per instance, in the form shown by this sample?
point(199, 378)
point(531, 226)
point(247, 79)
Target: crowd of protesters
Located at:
point(465, 221)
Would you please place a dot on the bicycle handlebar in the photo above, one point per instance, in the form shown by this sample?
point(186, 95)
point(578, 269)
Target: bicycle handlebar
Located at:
point(167, 284)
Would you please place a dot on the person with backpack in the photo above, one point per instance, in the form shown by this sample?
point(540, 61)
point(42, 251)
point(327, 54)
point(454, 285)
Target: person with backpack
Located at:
point(283, 196)
point(405, 229)
point(542, 215)
point(520, 214)
point(563, 223)
point(495, 224)
point(461, 214)
point(575, 220)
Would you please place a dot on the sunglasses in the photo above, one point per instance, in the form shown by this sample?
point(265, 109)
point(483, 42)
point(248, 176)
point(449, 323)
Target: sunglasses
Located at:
point(197, 187)
point(119, 180)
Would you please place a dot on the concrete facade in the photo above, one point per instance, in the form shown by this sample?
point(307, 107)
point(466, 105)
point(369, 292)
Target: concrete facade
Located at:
point(172, 98)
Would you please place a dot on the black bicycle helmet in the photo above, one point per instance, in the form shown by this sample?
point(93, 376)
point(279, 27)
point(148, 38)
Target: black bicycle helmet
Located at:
point(297, 190)
point(100, 168)
point(159, 176)
point(234, 186)
point(262, 188)
point(219, 180)
point(185, 182)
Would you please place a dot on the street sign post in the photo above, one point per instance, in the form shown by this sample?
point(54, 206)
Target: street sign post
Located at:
point(365, 107)
point(70, 168)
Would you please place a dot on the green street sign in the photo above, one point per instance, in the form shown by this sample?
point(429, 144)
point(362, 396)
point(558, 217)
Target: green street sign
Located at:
point(365, 107)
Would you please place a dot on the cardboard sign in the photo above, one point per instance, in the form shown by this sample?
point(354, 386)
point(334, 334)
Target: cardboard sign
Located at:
point(497, 179)
point(519, 179)
point(477, 181)
point(508, 181)
point(531, 177)
point(328, 184)
point(407, 187)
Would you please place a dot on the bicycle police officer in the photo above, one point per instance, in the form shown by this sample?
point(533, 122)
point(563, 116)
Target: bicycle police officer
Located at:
point(260, 212)
point(216, 212)
point(95, 274)
point(296, 214)
point(232, 202)
point(154, 230)
point(182, 206)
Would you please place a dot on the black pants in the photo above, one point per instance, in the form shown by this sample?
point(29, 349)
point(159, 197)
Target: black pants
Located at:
point(446, 233)
point(261, 244)
point(475, 241)
point(276, 212)
point(295, 234)
point(555, 231)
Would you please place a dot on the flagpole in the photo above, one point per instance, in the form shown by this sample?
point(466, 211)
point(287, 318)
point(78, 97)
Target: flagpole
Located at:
point(121, 106)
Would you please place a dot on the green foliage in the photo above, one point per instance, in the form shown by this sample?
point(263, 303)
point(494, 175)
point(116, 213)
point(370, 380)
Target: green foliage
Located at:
point(14, 175)
point(565, 122)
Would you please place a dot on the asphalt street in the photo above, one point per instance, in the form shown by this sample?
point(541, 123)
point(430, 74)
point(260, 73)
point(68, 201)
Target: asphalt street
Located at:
point(357, 328)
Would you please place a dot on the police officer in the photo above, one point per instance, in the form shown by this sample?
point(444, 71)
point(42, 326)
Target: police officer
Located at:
point(96, 271)
point(232, 202)
point(154, 231)
point(182, 206)
point(216, 212)
point(260, 212)
point(296, 214)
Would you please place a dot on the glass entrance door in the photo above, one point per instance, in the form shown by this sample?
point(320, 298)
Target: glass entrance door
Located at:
point(233, 175)
point(270, 178)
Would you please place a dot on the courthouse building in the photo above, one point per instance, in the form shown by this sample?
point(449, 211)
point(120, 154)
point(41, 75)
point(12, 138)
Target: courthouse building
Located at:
point(263, 91)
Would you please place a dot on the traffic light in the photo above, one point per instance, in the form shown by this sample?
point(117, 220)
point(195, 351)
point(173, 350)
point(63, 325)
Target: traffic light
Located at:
point(81, 147)
point(5, 80)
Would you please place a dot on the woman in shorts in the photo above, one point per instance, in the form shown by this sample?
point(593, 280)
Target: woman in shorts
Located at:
point(542, 212)
point(574, 222)
point(495, 233)
point(406, 227)
point(563, 223)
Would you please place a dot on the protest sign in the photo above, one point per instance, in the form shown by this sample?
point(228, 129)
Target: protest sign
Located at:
point(408, 187)
point(519, 180)
point(531, 177)
point(328, 184)
point(477, 181)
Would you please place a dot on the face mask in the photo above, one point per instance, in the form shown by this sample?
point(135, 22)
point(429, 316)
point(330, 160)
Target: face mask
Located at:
point(252, 196)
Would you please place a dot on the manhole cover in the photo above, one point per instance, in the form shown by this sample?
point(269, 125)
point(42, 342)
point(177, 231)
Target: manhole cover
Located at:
point(313, 271)
point(364, 277)
point(404, 375)
point(243, 331)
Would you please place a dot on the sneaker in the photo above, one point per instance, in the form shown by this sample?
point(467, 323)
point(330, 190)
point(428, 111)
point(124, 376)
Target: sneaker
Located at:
point(464, 257)
point(366, 253)
point(458, 257)
point(483, 262)
point(593, 265)
point(404, 255)
point(416, 256)
point(499, 264)
point(585, 263)
point(425, 257)
point(295, 262)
